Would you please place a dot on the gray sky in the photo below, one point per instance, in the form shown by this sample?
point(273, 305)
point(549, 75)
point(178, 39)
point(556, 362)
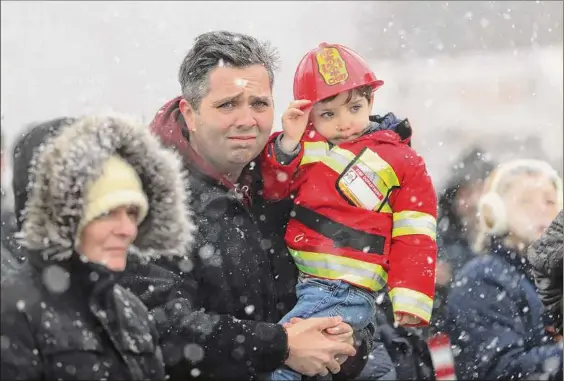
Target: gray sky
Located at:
point(459, 70)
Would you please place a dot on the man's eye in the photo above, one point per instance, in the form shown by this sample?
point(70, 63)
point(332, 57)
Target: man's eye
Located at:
point(261, 104)
point(227, 105)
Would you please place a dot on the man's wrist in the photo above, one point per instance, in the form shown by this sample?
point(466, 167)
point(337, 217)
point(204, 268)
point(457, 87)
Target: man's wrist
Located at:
point(287, 353)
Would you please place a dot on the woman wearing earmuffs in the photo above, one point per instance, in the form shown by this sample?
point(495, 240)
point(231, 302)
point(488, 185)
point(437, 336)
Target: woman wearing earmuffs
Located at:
point(496, 317)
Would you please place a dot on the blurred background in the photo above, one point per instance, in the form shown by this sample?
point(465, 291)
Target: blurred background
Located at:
point(463, 72)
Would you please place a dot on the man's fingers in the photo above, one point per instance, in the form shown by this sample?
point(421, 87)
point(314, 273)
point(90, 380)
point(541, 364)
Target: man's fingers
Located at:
point(334, 367)
point(340, 329)
point(322, 323)
point(295, 320)
point(323, 372)
point(342, 338)
point(343, 349)
point(341, 359)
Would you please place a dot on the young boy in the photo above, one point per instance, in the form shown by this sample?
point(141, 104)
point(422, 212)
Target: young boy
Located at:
point(364, 205)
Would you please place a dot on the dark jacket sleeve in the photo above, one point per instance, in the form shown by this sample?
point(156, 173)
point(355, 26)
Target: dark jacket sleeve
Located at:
point(19, 358)
point(545, 255)
point(198, 343)
point(493, 327)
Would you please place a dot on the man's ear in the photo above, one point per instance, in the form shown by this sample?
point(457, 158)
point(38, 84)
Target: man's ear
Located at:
point(188, 113)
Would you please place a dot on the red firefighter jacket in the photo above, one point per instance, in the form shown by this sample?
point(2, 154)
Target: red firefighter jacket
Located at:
point(364, 212)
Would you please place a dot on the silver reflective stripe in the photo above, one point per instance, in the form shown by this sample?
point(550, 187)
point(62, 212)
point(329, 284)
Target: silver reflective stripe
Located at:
point(409, 301)
point(315, 152)
point(336, 267)
point(339, 158)
point(420, 222)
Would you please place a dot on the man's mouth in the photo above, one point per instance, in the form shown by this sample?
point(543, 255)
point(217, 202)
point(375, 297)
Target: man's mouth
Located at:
point(243, 137)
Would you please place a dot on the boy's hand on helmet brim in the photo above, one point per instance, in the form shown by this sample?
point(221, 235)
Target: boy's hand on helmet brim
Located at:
point(294, 122)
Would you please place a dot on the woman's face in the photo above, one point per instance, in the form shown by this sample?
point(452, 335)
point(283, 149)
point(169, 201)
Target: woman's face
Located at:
point(106, 239)
point(531, 202)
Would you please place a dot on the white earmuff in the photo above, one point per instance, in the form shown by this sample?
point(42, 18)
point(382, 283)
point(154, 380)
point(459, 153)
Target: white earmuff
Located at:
point(493, 213)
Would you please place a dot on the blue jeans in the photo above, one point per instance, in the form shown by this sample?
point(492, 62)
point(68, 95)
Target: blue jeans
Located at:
point(379, 365)
point(324, 298)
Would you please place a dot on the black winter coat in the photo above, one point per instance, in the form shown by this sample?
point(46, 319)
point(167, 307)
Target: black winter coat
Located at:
point(217, 309)
point(69, 320)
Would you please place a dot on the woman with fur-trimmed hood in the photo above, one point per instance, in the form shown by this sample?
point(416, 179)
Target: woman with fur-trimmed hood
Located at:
point(99, 189)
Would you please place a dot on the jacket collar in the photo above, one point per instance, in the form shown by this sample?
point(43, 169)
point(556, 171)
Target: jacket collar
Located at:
point(511, 256)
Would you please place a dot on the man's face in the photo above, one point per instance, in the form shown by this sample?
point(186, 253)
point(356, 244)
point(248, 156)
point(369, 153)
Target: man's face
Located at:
point(235, 117)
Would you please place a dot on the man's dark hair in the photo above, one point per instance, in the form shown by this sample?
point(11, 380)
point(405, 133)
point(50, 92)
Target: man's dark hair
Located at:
point(222, 48)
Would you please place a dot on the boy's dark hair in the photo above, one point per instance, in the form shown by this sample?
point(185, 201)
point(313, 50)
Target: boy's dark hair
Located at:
point(365, 91)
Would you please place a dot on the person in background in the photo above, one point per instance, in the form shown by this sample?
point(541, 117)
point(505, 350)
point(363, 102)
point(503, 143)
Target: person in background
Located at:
point(494, 314)
point(545, 255)
point(103, 189)
point(7, 219)
point(457, 223)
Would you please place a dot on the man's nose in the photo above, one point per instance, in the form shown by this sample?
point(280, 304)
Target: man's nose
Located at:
point(247, 117)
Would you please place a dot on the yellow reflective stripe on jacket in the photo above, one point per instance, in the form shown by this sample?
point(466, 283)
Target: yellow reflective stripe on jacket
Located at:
point(369, 275)
point(336, 160)
point(411, 301)
point(384, 170)
point(410, 222)
point(314, 152)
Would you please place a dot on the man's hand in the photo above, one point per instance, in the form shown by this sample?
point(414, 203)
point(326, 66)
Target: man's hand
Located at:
point(311, 351)
point(294, 122)
point(341, 333)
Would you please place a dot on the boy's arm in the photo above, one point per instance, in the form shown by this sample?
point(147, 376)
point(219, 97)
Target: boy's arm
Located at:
point(278, 168)
point(413, 251)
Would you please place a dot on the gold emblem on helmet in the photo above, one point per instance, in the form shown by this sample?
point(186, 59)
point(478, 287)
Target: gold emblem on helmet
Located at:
point(332, 66)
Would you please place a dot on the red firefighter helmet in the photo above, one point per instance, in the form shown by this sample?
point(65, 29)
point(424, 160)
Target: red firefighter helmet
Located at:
point(331, 69)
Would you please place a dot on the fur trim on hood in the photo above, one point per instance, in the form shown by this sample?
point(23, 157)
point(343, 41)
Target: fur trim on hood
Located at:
point(66, 163)
point(545, 255)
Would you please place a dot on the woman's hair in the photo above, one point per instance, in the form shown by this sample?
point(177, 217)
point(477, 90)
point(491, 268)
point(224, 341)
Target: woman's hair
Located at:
point(491, 207)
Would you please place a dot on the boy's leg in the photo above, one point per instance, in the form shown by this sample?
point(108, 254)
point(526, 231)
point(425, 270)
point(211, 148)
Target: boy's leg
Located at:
point(379, 365)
